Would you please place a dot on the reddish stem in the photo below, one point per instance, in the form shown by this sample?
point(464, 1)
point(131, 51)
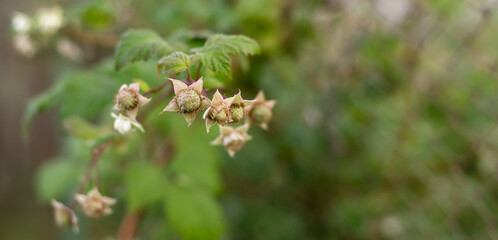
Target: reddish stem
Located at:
point(129, 225)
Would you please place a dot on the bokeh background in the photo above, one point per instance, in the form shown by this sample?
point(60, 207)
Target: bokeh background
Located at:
point(385, 126)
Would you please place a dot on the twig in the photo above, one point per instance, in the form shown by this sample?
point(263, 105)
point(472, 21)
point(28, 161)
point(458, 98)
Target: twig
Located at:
point(156, 89)
point(108, 41)
point(97, 153)
point(189, 79)
point(128, 228)
point(198, 72)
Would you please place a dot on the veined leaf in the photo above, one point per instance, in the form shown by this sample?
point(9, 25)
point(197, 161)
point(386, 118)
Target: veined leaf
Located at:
point(81, 128)
point(40, 103)
point(216, 61)
point(176, 62)
point(216, 51)
point(140, 45)
point(234, 44)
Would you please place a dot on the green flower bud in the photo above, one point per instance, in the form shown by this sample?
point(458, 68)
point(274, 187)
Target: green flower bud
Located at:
point(261, 114)
point(127, 99)
point(188, 100)
point(238, 114)
point(221, 116)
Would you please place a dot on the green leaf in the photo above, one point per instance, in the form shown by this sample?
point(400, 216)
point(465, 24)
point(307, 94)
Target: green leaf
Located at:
point(40, 103)
point(55, 178)
point(81, 128)
point(145, 185)
point(140, 45)
point(193, 213)
point(232, 44)
point(217, 62)
point(216, 50)
point(176, 62)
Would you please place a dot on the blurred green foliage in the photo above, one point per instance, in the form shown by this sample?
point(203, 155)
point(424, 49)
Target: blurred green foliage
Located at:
point(382, 130)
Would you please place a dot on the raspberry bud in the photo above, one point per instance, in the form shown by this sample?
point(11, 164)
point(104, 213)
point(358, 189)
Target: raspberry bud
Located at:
point(238, 108)
point(238, 114)
point(219, 111)
point(188, 99)
point(64, 216)
point(94, 204)
point(260, 112)
point(233, 139)
point(128, 100)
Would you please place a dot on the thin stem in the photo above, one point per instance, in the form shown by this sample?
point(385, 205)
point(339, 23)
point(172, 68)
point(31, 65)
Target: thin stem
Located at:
point(189, 79)
point(108, 41)
point(156, 89)
point(97, 153)
point(198, 72)
point(128, 228)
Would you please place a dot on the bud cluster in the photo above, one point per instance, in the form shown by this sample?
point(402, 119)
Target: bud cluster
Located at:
point(92, 204)
point(189, 99)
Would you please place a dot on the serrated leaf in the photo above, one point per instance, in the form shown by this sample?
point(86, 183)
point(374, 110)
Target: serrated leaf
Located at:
point(55, 178)
point(175, 63)
point(145, 185)
point(217, 62)
point(40, 103)
point(81, 128)
point(140, 45)
point(233, 44)
point(215, 52)
point(193, 214)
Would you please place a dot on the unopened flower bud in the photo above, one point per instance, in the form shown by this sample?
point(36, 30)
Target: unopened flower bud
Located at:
point(238, 108)
point(188, 99)
point(260, 112)
point(237, 114)
point(94, 204)
point(233, 139)
point(218, 112)
point(64, 216)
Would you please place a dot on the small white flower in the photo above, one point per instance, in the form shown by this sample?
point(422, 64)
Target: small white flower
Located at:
point(21, 22)
point(124, 124)
point(69, 49)
point(49, 19)
point(25, 45)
